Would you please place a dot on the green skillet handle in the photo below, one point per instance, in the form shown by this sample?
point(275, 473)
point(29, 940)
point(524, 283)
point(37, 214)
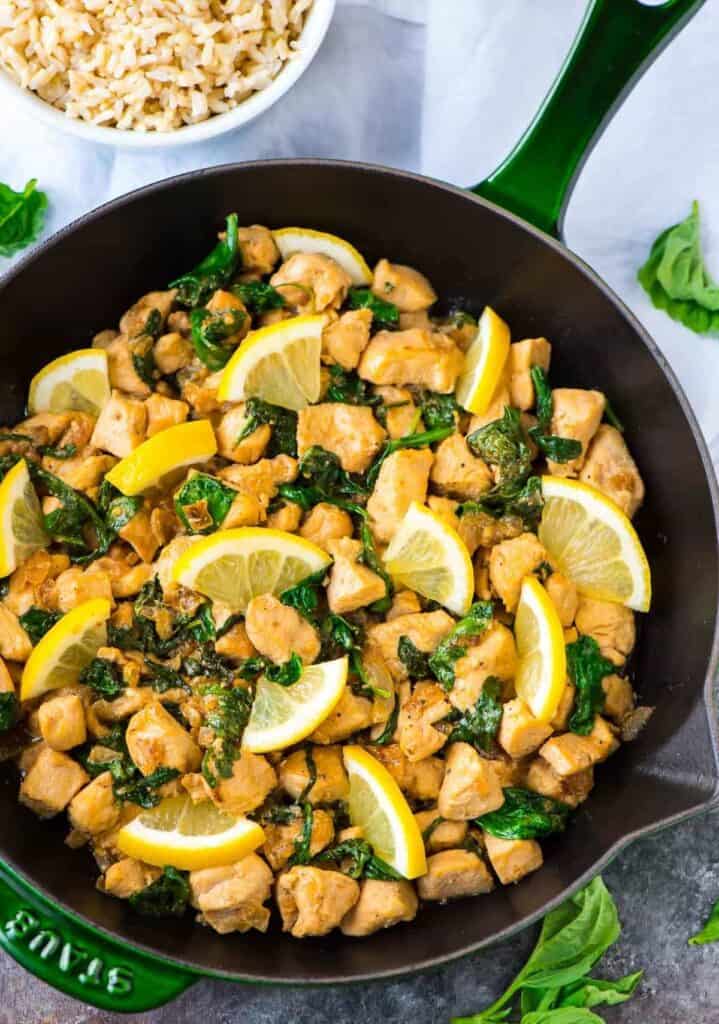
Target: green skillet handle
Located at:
point(616, 43)
point(76, 959)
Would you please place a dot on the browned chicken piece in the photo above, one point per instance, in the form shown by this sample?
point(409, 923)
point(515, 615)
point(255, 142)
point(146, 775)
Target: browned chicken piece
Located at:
point(404, 286)
point(103, 338)
point(400, 411)
point(570, 789)
point(560, 722)
point(424, 630)
point(618, 697)
point(417, 717)
point(76, 585)
point(130, 663)
point(402, 479)
point(470, 786)
point(420, 780)
point(83, 471)
point(466, 526)
point(569, 753)
point(278, 631)
point(94, 809)
point(233, 313)
point(287, 518)
point(443, 836)
point(172, 352)
point(252, 779)
point(331, 782)
point(523, 355)
point(126, 579)
point(509, 772)
point(142, 536)
point(404, 602)
point(512, 859)
point(134, 321)
point(425, 358)
point(15, 644)
point(352, 585)
point(611, 625)
point(322, 283)
point(279, 844)
point(325, 523)
point(261, 480)
point(51, 782)
point(312, 901)
point(164, 412)
point(154, 739)
point(235, 643)
point(457, 472)
point(510, 562)
point(380, 905)
point(420, 318)
point(349, 431)
point(577, 414)
point(565, 598)
point(345, 339)
point(121, 368)
point(245, 510)
point(7, 684)
point(520, 733)
point(232, 898)
point(454, 873)
point(62, 722)
point(121, 425)
point(493, 654)
point(611, 469)
point(126, 877)
point(258, 250)
point(351, 714)
point(124, 706)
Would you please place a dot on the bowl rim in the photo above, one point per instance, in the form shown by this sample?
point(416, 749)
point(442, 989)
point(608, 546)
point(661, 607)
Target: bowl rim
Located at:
point(311, 38)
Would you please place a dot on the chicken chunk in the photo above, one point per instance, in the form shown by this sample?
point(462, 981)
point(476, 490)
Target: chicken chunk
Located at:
point(261, 480)
point(134, 321)
point(323, 284)
point(400, 412)
point(232, 898)
point(94, 809)
point(258, 249)
point(351, 714)
point(352, 585)
point(611, 625)
point(520, 733)
point(512, 859)
point(172, 352)
point(443, 836)
point(76, 585)
point(51, 782)
point(121, 368)
point(235, 643)
point(278, 631)
point(470, 786)
point(126, 877)
point(250, 448)
point(345, 339)
point(15, 644)
point(326, 523)
point(331, 782)
point(523, 355)
point(569, 753)
point(618, 697)
point(454, 873)
point(420, 780)
point(577, 414)
point(402, 479)
point(252, 779)
point(417, 718)
point(560, 722)
point(164, 412)
point(404, 286)
point(565, 598)
point(154, 739)
point(349, 431)
point(84, 471)
point(610, 468)
point(425, 630)
point(510, 562)
point(570, 789)
point(457, 472)
point(380, 905)
point(288, 517)
point(404, 602)
point(313, 901)
point(493, 654)
point(62, 722)
point(280, 839)
point(425, 358)
point(121, 425)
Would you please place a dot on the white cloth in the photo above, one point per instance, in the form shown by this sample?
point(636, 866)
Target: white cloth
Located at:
point(446, 87)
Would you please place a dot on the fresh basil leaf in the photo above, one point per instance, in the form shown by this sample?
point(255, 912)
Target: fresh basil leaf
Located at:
point(385, 315)
point(589, 992)
point(562, 1015)
point(586, 668)
point(710, 931)
point(525, 815)
point(22, 215)
point(215, 271)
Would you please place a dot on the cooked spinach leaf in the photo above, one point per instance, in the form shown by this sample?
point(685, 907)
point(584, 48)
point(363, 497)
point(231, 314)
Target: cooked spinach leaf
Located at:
point(304, 596)
point(36, 622)
point(258, 296)
point(478, 725)
point(208, 332)
point(282, 421)
point(525, 815)
point(104, 678)
point(340, 636)
point(167, 896)
point(416, 662)
point(438, 410)
point(586, 668)
point(558, 449)
point(227, 718)
point(346, 386)
point(129, 786)
point(611, 417)
point(323, 479)
point(387, 734)
point(201, 496)
point(287, 673)
point(117, 508)
point(22, 215)
point(9, 711)
point(385, 315)
point(215, 271)
point(450, 650)
point(302, 852)
point(163, 678)
point(371, 559)
point(356, 858)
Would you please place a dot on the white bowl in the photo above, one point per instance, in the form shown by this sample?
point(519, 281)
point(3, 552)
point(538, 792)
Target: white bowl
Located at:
point(313, 33)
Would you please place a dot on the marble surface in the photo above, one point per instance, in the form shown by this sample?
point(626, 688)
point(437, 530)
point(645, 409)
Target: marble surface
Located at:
point(402, 83)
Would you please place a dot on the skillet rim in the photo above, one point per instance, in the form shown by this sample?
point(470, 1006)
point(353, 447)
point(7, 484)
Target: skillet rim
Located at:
point(708, 702)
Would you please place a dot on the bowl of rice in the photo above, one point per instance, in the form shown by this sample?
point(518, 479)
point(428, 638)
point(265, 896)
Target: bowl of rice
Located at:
point(154, 73)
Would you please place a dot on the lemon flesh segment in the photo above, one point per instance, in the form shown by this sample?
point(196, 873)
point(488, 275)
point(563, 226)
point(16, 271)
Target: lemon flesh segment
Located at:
point(76, 381)
point(164, 456)
point(234, 566)
point(292, 240)
point(283, 715)
point(428, 556)
point(594, 543)
point(378, 807)
point(279, 364)
point(66, 649)
point(542, 664)
point(189, 836)
point(21, 525)
point(484, 365)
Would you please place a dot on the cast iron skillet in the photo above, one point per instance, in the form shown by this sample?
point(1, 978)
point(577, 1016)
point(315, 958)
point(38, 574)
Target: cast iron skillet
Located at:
point(51, 918)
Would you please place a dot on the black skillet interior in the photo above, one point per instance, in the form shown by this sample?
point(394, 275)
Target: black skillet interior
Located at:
point(84, 280)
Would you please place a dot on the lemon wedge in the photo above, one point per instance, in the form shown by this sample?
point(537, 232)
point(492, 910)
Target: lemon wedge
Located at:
point(542, 665)
point(429, 556)
point(234, 566)
point(78, 380)
point(21, 527)
point(292, 240)
point(377, 806)
point(163, 456)
point(485, 360)
point(594, 543)
point(189, 836)
point(283, 715)
point(61, 655)
point(280, 364)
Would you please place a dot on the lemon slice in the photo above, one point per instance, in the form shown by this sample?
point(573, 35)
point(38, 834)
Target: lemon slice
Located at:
point(163, 456)
point(542, 666)
point(21, 528)
point(484, 363)
point(291, 240)
point(234, 566)
point(594, 544)
point(78, 380)
point(428, 556)
point(377, 806)
point(280, 364)
point(61, 655)
point(283, 715)
point(189, 836)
